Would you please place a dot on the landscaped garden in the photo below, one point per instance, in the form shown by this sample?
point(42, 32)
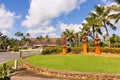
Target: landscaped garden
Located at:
point(6, 69)
point(77, 63)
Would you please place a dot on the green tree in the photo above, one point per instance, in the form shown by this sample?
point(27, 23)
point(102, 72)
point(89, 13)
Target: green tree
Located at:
point(20, 36)
point(47, 39)
point(118, 1)
point(103, 20)
point(115, 40)
point(76, 39)
point(59, 42)
point(116, 8)
point(90, 26)
point(4, 41)
point(27, 35)
point(69, 36)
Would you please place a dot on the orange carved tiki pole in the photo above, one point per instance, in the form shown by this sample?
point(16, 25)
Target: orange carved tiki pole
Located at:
point(64, 44)
point(97, 45)
point(84, 41)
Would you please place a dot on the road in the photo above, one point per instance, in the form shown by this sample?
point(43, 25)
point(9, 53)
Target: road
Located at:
point(23, 74)
point(8, 56)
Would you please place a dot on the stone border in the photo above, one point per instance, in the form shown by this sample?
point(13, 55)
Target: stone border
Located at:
point(71, 75)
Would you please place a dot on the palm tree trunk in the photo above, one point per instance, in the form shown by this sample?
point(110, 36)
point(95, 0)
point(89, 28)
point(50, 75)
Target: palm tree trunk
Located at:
point(107, 34)
point(93, 32)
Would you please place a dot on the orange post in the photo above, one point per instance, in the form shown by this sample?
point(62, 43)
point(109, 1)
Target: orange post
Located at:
point(97, 45)
point(84, 48)
point(97, 50)
point(64, 51)
point(84, 41)
point(64, 44)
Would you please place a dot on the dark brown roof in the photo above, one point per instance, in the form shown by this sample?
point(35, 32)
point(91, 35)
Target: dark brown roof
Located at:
point(43, 42)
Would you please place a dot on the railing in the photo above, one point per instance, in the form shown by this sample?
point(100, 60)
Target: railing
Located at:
point(29, 52)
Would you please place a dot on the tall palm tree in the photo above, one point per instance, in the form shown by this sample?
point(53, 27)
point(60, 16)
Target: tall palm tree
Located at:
point(4, 41)
point(27, 35)
point(19, 35)
point(90, 26)
point(76, 37)
point(27, 39)
point(103, 20)
point(69, 36)
point(116, 8)
point(118, 1)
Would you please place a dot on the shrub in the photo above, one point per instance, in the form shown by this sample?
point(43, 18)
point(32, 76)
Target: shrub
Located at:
point(51, 50)
point(110, 50)
point(15, 48)
point(91, 49)
point(68, 49)
point(45, 51)
point(76, 50)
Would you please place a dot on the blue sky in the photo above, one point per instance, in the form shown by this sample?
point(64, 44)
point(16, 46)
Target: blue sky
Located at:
point(45, 17)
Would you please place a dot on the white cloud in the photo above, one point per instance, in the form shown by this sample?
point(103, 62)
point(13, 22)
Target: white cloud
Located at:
point(42, 12)
point(75, 27)
point(7, 19)
point(5, 32)
point(106, 2)
point(44, 30)
point(53, 35)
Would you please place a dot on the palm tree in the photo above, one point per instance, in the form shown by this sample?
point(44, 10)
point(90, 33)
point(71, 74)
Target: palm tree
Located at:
point(4, 41)
point(47, 39)
point(118, 1)
point(27, 35)
point(27, 39)
point(69, 35)
point(76, 39)
point(58, 42)
point(103, 19)
point(90, 26)
point(116, 8)
point(115, 40)
point(19, 35)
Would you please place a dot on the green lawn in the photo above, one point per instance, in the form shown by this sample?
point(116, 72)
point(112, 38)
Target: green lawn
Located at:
point(80, 63)
point(11, 63)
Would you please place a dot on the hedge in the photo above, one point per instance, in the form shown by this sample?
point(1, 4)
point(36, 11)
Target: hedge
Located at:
point(77, 50)
point(51, 50)
point(92, 49)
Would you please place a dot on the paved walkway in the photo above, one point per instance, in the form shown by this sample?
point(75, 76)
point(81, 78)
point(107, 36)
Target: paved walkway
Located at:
point(24, 74)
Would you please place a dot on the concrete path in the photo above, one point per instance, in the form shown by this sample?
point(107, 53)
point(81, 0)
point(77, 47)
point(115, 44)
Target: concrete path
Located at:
point(24, 74)
point(9, 56)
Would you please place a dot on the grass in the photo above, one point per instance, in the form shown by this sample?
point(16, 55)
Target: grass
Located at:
point(79, 63)
point(11, 63)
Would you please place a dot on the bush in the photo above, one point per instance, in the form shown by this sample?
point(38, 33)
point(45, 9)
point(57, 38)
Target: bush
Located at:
point(2, 50)
point(15, 48)
point(51, 50)
point(110, 50)
point(68, 49)
point(92, 49)
point(76, 50)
